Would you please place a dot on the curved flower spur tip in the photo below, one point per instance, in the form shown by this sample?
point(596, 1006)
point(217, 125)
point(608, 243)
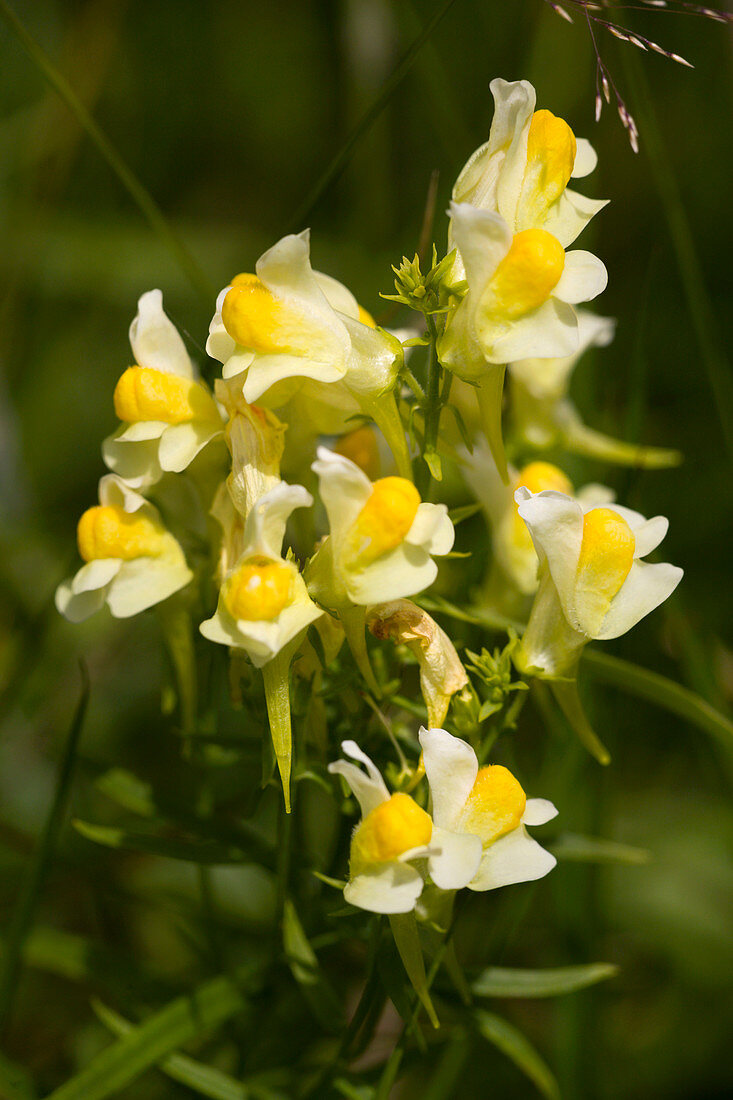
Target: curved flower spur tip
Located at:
point(480, 817)
point(264, 609)
point(441, 671)
point(168, 415)
point(380, 548)
point(131, 561)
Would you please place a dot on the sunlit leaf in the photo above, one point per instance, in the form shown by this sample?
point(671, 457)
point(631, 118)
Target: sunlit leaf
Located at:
point(498, 981)
point(190, 851)
point(307, 972)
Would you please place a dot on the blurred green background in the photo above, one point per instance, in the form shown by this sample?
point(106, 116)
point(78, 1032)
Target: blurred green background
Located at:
point(229, 112)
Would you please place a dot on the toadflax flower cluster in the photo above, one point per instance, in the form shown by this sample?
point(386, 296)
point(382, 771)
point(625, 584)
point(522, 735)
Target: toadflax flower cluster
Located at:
point(292, 512)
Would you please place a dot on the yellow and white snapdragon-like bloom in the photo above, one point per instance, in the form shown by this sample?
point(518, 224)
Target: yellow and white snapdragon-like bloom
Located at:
point(131, 561)
point(593, 583)
point(522, 172)
point(512, 547)
point(522, 288)
point(264, 605)
point(293, 333)
point(393, 832)
point(168, 415)
point(479, 819)
point(382, 536)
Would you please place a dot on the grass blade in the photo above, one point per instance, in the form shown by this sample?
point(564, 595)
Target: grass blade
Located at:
point(368, 119)
point(188, 850)
point(181, 1020)
point(498, 981)
point(139, 194)
point(22, 917)
point(206, 1080)
point(510, 1041)
point(574, 848)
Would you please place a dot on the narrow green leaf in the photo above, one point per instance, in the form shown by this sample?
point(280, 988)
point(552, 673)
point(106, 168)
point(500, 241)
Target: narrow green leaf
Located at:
point(407, 939)
point(189, 851)
point(457, 515)
point(566, 694)
point(128, 791)
point(183, 1019)
point(660, 690)
point(595, 849)
point(498, 981)
point(203, 1079)
point(22, 918)
point(510, 1041)
point(307, 972)
point(351, 1091)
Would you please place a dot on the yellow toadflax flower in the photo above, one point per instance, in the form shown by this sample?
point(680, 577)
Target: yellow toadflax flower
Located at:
point(522, 172)
point(293, 333)
point(513, 574)
point(264, 609)
point(168, 415)
point(512, 217)
point(393, 832)
point(381, 544)
point(132, 561)
point(593, 583)
point(479, 819)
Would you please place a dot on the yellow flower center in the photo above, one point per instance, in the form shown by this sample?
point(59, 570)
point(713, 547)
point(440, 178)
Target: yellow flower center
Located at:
point(259, 590)
point(108, 531)
point(252, 315)
point(606, 556)
point(537, 477)
point(526, 276)
point(391, 829)
point(495, 805)
point(384, 520)
point(360, 446)
point(551, 150)
point(146, 394)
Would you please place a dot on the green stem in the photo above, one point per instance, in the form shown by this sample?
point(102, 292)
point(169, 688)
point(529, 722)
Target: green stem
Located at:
point(22, 917)
point(489, 394)
point(143, 199)
point(178, 631)
point(353, 620)
point(432, 410)
point(276, 674)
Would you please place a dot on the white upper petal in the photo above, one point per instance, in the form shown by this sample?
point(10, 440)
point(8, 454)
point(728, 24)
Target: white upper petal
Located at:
point(370, 790)
point(264, 528)
point(451, 768)
point(555, 522)
point(155, 340)
point(483, 239)
point(344, 489)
